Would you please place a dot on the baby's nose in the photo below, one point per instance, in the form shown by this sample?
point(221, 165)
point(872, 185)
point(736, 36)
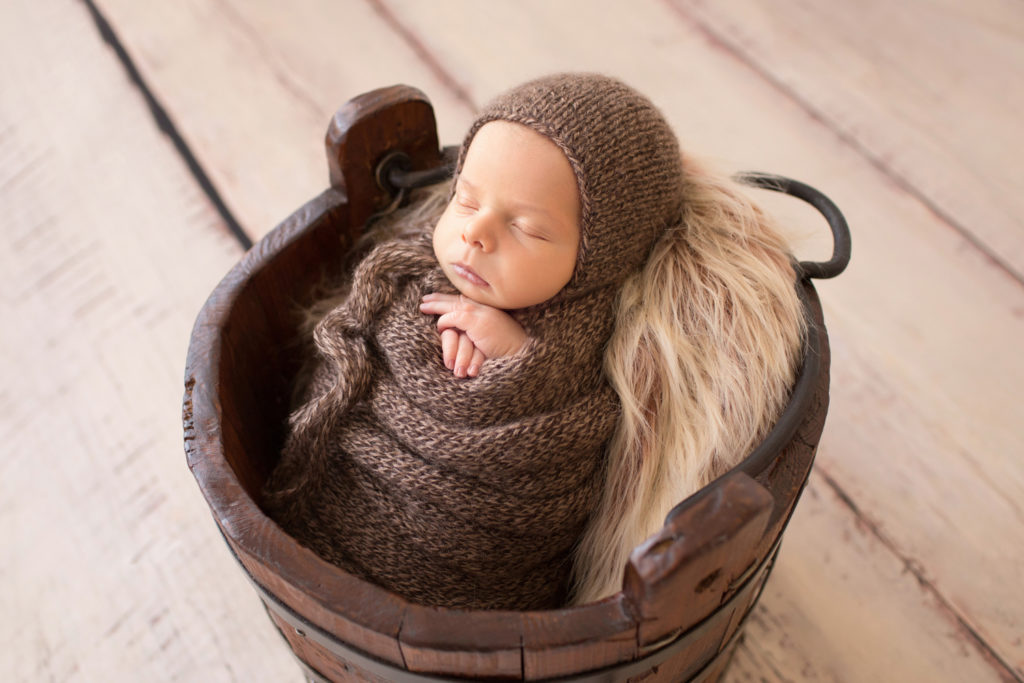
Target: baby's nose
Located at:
point(479, 232)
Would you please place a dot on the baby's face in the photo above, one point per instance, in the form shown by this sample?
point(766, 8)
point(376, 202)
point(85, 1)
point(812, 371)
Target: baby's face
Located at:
point(510, 234)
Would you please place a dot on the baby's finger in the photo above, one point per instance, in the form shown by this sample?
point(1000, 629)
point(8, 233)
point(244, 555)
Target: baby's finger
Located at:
point(449, 347)
point(476, 362)
point(464, 355)
point(458, 319)
point(438, 304)
point(440, 296)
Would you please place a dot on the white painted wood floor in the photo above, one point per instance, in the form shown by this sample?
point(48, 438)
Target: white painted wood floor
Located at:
point(905, 559)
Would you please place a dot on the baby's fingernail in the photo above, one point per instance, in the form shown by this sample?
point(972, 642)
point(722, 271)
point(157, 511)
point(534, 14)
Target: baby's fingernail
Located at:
point(474, 370)
point(460, 371)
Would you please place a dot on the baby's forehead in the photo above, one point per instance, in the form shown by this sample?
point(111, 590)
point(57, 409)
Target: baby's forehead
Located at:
point(518, 171)
point(510, 134)
point(502, 149)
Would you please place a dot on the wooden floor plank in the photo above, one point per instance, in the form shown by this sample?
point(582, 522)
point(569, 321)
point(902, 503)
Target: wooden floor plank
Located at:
point(922, 436)
point(930, 90)
point(926, 328)
point(111, 568)
point(883, 625)
point(256, 87)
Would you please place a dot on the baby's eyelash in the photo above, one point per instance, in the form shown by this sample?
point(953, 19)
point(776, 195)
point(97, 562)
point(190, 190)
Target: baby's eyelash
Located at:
point(529, 233)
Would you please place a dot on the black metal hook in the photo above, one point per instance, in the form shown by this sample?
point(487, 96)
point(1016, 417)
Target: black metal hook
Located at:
point(394, 175)
point(837, 222)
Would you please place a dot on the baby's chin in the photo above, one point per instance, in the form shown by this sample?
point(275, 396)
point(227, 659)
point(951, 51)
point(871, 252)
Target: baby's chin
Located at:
point(476, 296)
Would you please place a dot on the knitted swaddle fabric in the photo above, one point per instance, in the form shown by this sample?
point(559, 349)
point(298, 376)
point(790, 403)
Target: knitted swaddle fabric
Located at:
point(473, 492)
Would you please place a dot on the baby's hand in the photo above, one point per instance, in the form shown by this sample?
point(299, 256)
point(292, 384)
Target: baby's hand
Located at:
point(472, 332)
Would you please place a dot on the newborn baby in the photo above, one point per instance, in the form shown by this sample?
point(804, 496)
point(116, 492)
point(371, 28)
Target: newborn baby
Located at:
point(452, 445)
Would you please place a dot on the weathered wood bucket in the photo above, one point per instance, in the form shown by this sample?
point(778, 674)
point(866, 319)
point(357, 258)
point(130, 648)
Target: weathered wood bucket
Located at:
point(687, 590)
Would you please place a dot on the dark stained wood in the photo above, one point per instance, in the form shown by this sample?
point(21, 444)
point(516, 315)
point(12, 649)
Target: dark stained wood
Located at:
point(687, 589)
point(338, 604)
point(703, 647)
point(562, 642)
point(745, 601)
point(241, 364)
point(787, 475)
point(367, 129)
point(235, 410)
point(714, 670)
point(681, 573)
point(256, 312)
point(698, 652)
point(318, 658)
point(456, 643)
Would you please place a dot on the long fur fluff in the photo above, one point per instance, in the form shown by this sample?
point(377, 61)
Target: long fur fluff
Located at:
point(705, 348)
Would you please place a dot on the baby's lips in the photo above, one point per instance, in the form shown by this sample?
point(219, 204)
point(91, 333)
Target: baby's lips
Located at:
point(469, 274)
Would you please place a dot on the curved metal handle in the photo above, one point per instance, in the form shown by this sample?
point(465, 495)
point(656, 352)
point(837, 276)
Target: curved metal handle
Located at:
point(395, 175)
point(840, 230)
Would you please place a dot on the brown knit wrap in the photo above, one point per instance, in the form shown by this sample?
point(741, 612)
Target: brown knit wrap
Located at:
point(473, 492)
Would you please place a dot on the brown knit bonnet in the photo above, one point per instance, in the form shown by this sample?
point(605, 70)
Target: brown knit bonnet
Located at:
point(625, 157)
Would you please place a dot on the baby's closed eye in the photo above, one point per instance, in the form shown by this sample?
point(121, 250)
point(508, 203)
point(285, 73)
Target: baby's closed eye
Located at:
point(530, 231)
point(466, 203)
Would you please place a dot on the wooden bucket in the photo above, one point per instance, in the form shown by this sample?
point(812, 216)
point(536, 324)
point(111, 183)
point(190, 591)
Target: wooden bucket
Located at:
point(687, 590)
